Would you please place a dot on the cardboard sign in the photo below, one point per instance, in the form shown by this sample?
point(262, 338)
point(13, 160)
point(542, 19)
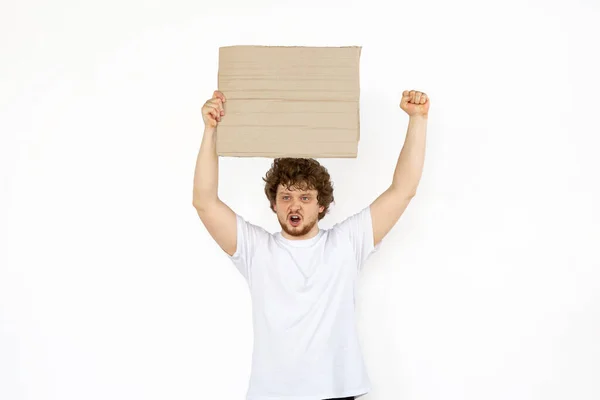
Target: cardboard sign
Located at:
point(289, 101)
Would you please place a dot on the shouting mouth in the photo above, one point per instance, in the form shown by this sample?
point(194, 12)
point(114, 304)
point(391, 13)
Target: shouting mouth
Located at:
point(295, 220)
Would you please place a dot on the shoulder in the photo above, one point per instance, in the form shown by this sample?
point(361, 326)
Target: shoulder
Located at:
point(250, 229)
point(355, 222)
point(250, 238)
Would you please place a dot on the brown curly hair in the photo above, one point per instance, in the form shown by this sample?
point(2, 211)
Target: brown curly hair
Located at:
point(301, 173)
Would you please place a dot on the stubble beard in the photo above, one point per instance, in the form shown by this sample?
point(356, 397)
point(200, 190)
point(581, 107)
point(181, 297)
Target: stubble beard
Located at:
point(297, 231)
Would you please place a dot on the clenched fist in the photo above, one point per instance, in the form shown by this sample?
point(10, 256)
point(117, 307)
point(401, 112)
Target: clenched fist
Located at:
point(414, 103)
point(213, 110)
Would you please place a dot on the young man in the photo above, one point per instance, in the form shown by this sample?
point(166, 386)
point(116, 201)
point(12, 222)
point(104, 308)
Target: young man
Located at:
point(302, 279)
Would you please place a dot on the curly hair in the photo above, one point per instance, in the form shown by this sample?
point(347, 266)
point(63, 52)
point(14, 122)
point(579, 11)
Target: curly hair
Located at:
point(300, 173)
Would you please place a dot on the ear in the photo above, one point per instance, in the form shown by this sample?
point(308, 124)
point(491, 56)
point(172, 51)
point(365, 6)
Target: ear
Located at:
point(321, 209)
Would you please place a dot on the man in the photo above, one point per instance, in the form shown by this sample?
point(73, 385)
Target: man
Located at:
point(302, 279)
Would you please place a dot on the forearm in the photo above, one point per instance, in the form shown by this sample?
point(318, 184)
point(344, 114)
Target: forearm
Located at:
point(206, 175)
point(410, 162)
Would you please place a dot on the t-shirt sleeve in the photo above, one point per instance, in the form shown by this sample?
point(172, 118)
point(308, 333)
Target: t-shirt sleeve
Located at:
point(249, 238)
point(358, 228)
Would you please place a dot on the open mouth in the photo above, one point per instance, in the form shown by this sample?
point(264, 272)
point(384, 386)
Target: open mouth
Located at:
point(295, 220)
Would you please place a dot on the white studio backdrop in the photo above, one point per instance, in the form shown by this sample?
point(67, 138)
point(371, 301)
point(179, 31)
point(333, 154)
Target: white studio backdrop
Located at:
point(110, 287)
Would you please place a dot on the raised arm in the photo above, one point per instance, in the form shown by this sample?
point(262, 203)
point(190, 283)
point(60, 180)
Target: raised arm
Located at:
point(217, 217)
point(390, 205)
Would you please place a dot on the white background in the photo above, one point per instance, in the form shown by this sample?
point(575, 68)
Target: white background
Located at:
point(487, 288)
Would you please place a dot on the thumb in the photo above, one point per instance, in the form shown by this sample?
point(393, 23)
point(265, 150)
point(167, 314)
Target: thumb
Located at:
point(405, 97)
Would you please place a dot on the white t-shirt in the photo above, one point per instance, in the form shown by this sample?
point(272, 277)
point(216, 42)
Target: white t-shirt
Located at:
point(303, 297)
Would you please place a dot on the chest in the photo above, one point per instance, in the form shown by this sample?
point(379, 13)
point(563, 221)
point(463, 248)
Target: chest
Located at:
point(282, 271)
point(290, 285)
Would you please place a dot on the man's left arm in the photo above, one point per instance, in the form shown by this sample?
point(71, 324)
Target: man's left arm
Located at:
point(390, 205)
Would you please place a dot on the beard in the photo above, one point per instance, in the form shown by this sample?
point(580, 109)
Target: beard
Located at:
point(297, 231)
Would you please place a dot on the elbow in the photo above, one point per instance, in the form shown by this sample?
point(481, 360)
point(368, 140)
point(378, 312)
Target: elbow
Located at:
point(198, 204)
point(198, 201)
point(410, 191)
point(202, 202)
point(403, 192)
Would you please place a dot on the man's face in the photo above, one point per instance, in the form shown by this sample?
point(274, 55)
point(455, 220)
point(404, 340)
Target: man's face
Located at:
point(297, 211)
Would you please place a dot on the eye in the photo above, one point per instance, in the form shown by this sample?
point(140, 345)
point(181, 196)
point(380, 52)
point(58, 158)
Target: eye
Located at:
point(305, 198)
point(285, 197)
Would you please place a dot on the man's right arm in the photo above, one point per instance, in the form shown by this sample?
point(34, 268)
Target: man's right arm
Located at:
point(217, 217)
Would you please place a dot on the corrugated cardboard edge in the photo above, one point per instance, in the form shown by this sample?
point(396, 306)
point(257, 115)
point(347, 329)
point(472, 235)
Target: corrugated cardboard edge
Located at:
point(359, 96)
point(295, 46)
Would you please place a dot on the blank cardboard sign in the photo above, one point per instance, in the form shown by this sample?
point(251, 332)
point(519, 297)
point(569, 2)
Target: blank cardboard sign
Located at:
point(286, 101)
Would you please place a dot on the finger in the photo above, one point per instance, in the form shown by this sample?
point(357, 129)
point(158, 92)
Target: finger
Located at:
point(214, 113)
point(220, 107)
point(218, 94)
point(207, 110)
point(413, 96)
point(405, 98)
point(417, 97)
point(217, 102)
point(423, 98)
point(217, 114)
point(210, 106)
point(210, 109)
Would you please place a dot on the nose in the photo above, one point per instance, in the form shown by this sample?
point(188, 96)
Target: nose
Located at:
point(295, 206)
